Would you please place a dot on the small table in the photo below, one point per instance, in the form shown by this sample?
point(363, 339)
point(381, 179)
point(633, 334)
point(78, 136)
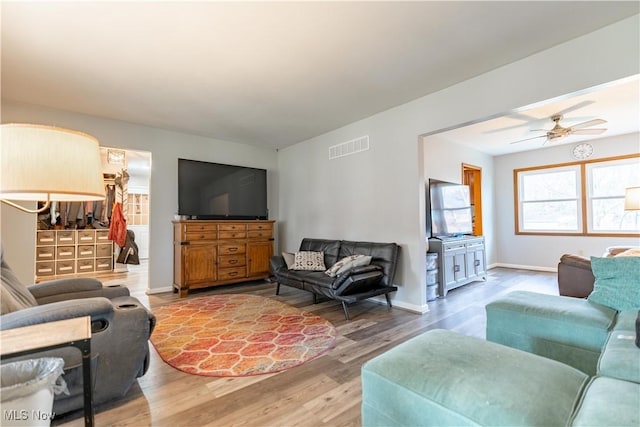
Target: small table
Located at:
point(74, 332)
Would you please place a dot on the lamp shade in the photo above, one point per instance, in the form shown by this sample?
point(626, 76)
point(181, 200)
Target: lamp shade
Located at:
point(632, 199)
point(49, 163)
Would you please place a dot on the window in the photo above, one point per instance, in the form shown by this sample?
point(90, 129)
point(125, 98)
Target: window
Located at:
point(605, 194)
point(582, 198)
point(550, 200)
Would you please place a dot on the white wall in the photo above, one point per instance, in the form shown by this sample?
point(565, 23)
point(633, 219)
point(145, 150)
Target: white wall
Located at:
point(17, 241)
point(543, 252)
point(443, 160)
point(18, 231)
point(379, 196)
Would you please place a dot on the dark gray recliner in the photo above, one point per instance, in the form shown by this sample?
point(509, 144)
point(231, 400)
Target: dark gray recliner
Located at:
point(120, 326)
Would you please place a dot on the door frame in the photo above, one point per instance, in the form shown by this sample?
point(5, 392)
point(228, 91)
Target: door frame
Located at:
point(472, 176)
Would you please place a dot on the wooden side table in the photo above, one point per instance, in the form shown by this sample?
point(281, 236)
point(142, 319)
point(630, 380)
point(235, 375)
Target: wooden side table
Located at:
point(74, 332)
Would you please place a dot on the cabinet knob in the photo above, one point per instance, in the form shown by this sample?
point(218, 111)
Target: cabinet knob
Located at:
point(233, 261)
point(456, 268)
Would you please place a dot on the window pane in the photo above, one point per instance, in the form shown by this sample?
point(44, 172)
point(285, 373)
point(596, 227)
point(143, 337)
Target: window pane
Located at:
point(550, 186)
point(611, 180)
point(552, 216)
point(609, 215)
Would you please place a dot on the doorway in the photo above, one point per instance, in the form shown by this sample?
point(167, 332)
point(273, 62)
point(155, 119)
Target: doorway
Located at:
point(134, 167)
point(472, 176)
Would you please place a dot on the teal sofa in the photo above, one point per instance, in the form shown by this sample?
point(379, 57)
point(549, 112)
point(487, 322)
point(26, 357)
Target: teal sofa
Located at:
point(588, 336)
point(547, 361)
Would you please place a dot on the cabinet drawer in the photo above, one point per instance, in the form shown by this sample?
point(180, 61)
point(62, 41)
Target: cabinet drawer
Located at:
point(454, 247)
point(65, 252)
point(197, 228)
point(232, 273)
point(86, 251)
point(104, 250)
point(231, 249)
point(232, 261)
point(232, 234)
point(46, 238)
point(102, 236)
point(65, 267)
point(85, 265)
point(232, 227)
point(86, 236)
point(260, 226)
point(64, 237)
point(104, 264)
point(45, 253)
point(260, 233)
point(45, 268)
point(201, 235)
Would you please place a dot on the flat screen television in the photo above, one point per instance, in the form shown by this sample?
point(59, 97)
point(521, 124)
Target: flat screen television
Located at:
point(448, 209)
point(217, 191)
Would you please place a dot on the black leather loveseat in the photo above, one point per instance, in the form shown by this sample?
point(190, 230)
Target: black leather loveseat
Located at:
point(359, 283)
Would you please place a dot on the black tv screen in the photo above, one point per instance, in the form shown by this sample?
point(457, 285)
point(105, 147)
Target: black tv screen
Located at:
point(216, 191)
point(449, 209)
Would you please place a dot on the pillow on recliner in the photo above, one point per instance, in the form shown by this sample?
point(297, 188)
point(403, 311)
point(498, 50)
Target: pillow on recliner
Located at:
point(629, 252)
point(616, 284)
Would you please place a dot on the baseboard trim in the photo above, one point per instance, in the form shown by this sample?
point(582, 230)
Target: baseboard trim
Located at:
point(412, 308)
point(525, 267)
point(154, 291)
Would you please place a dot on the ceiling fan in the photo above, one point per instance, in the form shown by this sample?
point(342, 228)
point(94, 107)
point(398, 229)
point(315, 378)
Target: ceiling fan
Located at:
point(558, 131)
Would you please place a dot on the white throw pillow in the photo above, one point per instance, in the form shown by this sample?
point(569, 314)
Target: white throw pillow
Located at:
point(630, 252)
point(289, 259)
point(347, 263)
point(309, 260)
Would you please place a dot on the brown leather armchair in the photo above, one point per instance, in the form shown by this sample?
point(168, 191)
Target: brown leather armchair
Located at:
point(575, 278)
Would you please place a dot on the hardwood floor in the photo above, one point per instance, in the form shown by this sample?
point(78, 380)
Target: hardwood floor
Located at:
point(325, 391)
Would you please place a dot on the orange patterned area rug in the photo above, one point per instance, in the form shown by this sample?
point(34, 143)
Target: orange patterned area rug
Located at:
point(238, 335)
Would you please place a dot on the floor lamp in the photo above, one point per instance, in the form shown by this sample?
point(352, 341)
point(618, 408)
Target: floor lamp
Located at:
point(46, 163)
point(632, 200)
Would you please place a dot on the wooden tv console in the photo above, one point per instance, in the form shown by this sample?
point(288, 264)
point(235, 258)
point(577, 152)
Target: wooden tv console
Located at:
point(212, 253)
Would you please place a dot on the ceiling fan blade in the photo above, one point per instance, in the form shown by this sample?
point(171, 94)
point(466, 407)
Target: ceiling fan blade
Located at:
point(588, 131)
point(574, 107)
point(490, 131)
point(588, 123)
point(527, 139)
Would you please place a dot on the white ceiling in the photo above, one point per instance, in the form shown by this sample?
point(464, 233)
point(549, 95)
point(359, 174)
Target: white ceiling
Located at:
point(617, 103)
point(270, 73)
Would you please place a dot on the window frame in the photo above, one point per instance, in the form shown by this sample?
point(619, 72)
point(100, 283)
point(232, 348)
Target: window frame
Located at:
point(584, 211)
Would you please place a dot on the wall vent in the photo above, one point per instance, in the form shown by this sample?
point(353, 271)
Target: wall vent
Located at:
point(350, 147)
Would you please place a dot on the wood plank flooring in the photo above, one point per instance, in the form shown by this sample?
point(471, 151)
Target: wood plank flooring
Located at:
point(323, 392)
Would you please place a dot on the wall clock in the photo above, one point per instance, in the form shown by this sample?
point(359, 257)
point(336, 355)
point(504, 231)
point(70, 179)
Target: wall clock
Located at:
point(582, 151)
